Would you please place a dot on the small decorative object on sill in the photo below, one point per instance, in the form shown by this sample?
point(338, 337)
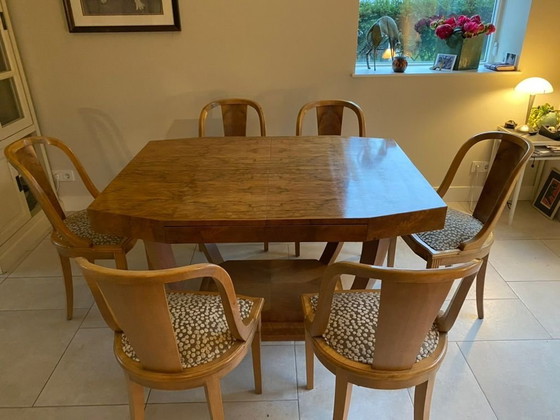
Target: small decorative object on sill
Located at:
point(384, 29)
point(552, 132)
point(460, 36)
point(400, 63)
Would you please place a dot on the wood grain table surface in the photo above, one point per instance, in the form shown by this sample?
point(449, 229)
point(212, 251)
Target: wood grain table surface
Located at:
point(254, 189)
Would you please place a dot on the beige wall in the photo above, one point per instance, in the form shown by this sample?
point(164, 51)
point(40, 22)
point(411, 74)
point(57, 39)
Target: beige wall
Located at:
point(107, 94)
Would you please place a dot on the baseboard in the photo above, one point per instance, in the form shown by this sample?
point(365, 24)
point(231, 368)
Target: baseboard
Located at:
point(15, 249)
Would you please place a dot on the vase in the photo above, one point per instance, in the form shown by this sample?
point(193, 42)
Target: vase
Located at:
point(467, 50)
point(399, 64)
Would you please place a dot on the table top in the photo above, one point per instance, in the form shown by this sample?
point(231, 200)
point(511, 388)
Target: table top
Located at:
point(249, 189)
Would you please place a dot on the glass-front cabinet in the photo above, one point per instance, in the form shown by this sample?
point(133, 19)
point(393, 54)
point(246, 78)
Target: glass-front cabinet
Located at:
point(22, 223)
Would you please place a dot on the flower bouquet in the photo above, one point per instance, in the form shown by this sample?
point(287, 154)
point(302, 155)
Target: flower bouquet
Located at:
point(458, 35)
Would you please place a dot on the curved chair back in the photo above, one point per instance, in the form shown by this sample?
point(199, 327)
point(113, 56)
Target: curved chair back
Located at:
point(234, 116)
point(330, 116)
point(22, 154)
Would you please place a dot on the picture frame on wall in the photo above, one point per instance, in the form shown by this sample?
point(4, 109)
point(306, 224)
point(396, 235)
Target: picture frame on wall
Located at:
point(122, 15)
point(444, 62)
point(549, 196)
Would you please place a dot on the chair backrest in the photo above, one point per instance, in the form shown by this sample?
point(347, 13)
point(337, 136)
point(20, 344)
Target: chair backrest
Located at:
point(135, 302)
point(409, 304)
point(512, 154)
point(234, 116)
point(329, 117)
point(22, 154)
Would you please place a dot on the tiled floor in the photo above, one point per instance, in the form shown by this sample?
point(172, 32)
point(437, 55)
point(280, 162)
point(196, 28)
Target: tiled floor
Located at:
point(505, 367)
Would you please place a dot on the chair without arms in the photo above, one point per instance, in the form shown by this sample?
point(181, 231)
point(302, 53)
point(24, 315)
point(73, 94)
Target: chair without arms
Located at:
point(234, 122)
point(155, 330)
point(387, 338)
point(72, 234)
point(330, 115)
point(465, 236)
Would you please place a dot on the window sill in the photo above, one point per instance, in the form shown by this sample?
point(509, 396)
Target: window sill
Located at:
point(419, 70)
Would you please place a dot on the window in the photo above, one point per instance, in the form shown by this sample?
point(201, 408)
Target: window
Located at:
point(416, 42)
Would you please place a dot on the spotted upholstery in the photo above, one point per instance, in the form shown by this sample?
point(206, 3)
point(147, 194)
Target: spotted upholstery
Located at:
point(459, 227)
point(78, 223)
point(200, 326)
point(352, 325)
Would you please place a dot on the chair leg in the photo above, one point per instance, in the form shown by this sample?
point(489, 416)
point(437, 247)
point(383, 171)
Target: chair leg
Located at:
point(423, 399)
point(68, 286)
point(265, 247)
point(342, 395)
point(256, 353)
point(213, 392)
point(120, 261)
point(135, 399)
point(392, 252)
point(298, 249)
point(480, 279)
point(309, 362)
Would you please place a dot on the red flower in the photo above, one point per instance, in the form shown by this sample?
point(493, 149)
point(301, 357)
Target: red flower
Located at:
point(490, 29)
point(467, 27)
point(444, 31)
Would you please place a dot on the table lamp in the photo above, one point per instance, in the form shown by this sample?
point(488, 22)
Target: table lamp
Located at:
point(533, 86)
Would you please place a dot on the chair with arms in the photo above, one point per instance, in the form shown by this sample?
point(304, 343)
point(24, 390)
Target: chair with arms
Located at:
point(176, 340)
point(330, 115)
point(234, 121)
point(72, 234)
point(391, 338)
point(466, 236)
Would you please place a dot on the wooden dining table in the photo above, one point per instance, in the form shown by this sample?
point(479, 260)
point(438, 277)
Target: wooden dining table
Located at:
point(329, 189)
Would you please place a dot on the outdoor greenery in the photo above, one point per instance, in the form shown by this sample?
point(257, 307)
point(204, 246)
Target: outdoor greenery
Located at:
point(418, 47)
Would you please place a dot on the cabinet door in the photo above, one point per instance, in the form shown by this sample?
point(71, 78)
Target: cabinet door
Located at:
point(14, 212)
point(14, 109)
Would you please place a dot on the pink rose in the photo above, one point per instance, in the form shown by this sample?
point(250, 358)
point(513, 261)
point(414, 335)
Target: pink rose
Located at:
point(490, 29)
point(444, 31)
point(461, 20)
point(476, 18)
point(471, 28)
point(450, 21)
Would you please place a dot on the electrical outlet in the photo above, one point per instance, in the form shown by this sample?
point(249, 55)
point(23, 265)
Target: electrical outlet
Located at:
point(64, 175)
point(479, 166)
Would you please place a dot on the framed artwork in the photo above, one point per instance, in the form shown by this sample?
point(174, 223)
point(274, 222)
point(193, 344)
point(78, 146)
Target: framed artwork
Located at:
point(444, 62)
point(549, 196)
point(122, 15)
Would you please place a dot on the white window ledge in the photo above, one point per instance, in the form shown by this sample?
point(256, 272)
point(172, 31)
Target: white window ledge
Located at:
point(420, 70)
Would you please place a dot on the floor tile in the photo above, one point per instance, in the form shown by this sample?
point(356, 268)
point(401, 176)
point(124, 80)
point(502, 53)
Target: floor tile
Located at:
point(87, 374)
point(278, 373)
point(116, 412)
point(553, 245)
point(269, 410)
point(32, 344)
point(525, 260)
point(542, 299)
point(42, 293)
point(506, 319)
point(519, 378)
point(318, 403)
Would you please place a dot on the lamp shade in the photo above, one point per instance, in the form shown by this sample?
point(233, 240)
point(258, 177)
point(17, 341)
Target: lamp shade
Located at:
point(534, 86)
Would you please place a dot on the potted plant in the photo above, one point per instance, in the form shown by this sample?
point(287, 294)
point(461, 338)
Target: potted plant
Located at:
point(458, 35)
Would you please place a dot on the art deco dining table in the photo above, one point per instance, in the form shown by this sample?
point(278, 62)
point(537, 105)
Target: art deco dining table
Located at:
point(269, 189)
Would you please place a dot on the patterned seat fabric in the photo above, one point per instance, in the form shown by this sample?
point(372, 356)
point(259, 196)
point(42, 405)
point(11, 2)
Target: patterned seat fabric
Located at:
point(78, 223)
point(459, 227)
point(352, 324)
point(200, 326)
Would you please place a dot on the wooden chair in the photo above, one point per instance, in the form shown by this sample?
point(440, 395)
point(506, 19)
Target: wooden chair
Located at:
point(234, 121)
point(387, 338)
point(176, 340)
point(466, 236)
point(329, 121)
point(329, 117)
point(72, 234)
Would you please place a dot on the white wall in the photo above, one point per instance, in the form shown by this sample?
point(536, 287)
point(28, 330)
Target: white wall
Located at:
point(107, 94)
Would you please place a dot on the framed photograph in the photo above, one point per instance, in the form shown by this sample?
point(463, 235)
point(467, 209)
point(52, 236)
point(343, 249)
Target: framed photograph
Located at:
point(510, 59)
point(122, 15)
point(444, 62)
point(549, 196)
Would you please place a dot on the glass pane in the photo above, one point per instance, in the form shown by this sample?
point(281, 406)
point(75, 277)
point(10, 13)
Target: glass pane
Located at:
point(416, 42)
point(4, 65)
point(10, 109)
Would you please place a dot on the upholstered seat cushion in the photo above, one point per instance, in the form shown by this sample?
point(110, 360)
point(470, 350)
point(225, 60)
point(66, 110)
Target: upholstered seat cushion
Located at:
point(78, 223)
point(459, 227)
point(352, 324)
point(200, 326)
